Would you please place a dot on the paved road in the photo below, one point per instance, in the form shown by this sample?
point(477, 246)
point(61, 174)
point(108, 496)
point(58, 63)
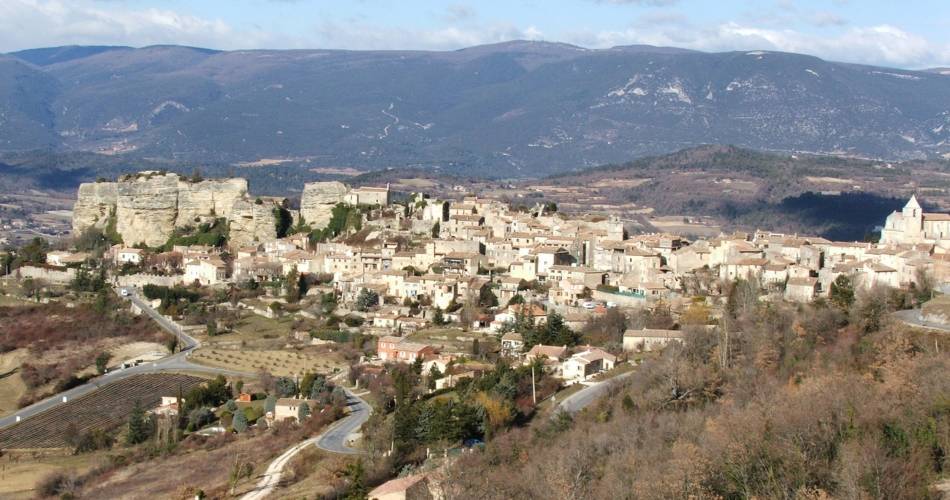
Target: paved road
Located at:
point(174, 362)
point(333, 439)
point(583, 398)
point(912, 317)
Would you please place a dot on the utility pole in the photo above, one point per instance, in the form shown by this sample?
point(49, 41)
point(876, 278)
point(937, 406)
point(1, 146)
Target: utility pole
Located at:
point(534, 393)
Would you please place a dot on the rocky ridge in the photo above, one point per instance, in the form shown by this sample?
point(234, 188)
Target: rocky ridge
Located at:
point(147, 207)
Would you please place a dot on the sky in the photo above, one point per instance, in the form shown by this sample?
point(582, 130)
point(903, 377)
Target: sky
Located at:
point(908, 34)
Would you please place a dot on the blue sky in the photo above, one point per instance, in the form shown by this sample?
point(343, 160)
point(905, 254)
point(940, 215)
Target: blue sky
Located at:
point(911, 34)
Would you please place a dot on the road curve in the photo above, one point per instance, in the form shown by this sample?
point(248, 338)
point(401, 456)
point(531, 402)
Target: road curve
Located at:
point(913, 317)
point(584, 397)
point(333, 439)
point(174, 362)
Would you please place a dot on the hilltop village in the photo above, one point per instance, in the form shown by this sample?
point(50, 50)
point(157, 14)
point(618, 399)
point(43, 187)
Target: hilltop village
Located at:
point(399, 267)
point(456, 318)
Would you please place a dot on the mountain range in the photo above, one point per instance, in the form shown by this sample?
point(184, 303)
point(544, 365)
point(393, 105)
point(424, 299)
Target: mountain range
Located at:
point(515, 109)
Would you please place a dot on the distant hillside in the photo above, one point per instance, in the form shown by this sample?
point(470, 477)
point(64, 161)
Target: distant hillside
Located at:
point(516, 109)
point(839, 198)
point(52, 55)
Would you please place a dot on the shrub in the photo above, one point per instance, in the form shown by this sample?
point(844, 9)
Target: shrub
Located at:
point(239, 423)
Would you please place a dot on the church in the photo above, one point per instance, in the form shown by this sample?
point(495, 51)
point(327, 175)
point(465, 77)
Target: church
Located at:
point(912, 226)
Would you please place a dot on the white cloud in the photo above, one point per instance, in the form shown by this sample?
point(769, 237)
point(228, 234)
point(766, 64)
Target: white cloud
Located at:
point(43, 23)
point(353, 35)
point(653, 3)
point(883, 44)
point(459, 12)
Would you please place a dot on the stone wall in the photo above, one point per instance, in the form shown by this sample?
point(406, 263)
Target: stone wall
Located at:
point(140, 280)
point(50, 275)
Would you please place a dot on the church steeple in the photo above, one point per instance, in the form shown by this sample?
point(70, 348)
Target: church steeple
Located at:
point(912, 209)
point(912, 204)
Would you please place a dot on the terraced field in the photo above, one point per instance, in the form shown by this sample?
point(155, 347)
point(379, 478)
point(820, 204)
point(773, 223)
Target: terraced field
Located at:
point(277, 362)
point(105, 408)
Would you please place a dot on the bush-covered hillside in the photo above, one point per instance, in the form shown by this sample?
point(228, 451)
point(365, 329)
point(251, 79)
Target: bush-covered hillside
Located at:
point(782, 402)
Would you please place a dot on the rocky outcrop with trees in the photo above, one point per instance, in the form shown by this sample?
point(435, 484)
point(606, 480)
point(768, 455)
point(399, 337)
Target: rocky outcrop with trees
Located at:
point(147, 207)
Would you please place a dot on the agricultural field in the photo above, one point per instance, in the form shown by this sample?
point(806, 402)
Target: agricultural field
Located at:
point(45, 346)
point(20, 472)
point(276, 362)
point(105, 408)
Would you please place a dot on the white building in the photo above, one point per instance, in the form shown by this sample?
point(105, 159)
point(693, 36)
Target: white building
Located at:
point(648, 339)
point(911, 225)
point(206, 272)
point(587, 363)
point(131, 256)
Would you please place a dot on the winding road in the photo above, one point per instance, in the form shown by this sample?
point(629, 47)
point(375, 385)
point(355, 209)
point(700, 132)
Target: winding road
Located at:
point(333, 439)
point(174, 362)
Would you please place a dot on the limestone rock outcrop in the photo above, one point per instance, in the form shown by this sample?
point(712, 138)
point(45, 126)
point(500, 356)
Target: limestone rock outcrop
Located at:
point(148, 206)
point(94, 205)
point(318, 200)
point(253, 223)
point(214, 198)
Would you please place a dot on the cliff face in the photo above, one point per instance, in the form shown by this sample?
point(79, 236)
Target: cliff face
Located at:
point(211, 197)
point(318, 200)
point(94, 204)
point(146, 208)
point(252, 223)
point(149, 206)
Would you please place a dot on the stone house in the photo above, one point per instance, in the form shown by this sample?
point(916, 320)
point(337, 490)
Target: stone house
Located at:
point(397, 349)
point(288, 408)
point(583, 275)
point(512, 344)
point(690, 258)
point(648, 339)
point(206, 272)
point(132, 256)
point(587, 363)
point(802, 290)
point(750, 269)
point(463, 263)
point(549, 256)
point(368, 195)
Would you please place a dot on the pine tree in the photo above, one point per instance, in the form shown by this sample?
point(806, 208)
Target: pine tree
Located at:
point(137, 430)
point(270, 404)
point(239, 423)
point(357, 489)
point(303, 412)
point(292, 286)
point(842, 292)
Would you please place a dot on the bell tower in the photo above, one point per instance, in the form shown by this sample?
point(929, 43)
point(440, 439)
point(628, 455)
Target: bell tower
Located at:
point(913, 219)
